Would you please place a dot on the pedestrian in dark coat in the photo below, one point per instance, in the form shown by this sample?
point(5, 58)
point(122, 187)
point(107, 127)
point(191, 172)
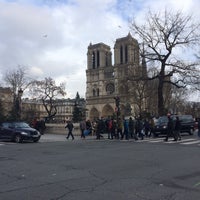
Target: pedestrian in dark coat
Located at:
point(82, 128)
point(177, 128)
point(146, 127)
point(131, 126)
point(70, 128)
point(170, 129)
point(110, 124)
point(138, 128)
point(125, 133)
point(199, 127)
point(113, 129)
point(119, 128)
point(100, 128)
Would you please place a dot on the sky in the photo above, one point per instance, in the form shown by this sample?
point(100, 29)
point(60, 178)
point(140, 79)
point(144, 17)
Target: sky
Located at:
point(50, 37)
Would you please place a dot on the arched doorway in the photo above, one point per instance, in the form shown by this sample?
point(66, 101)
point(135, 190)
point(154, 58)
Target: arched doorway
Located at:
point(107, 111)
point(94, 114)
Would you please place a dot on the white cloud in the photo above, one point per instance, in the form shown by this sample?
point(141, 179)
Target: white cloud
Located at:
point(51, 37)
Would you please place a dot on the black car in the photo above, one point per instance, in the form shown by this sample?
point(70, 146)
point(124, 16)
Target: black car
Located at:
point(160, 126)
point(18, 132)
point(187, 124)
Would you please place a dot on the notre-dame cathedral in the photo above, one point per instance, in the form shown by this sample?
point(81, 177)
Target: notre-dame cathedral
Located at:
point(106, 81)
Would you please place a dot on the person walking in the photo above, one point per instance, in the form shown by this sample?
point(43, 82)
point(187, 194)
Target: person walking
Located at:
point(70, 128)
point(152, 126)
point(199, 127)
point(146, 127)
point(138, 128)
point(119, 128)
point(177, 128)
point(100, 129)
point(131, 126)
point(170, 129)
point(125, 133)
point(110, 124)
point(113, 129)
point(82, 128)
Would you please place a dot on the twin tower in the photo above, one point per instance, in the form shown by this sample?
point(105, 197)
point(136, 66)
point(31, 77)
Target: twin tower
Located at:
point(105, 80)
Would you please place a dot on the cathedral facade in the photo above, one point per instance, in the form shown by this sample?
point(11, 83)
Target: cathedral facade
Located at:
point(106, 81)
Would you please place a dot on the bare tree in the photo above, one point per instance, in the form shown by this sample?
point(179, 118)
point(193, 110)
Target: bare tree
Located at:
point(162, 35)
point(178, 99)
point(47, 91)
point(139, 92)
point(17, 79)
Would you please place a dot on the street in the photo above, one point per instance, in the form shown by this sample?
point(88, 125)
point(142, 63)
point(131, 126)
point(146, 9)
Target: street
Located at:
point(60, 169)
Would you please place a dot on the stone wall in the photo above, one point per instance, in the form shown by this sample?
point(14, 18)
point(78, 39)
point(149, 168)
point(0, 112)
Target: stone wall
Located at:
point(60, 129)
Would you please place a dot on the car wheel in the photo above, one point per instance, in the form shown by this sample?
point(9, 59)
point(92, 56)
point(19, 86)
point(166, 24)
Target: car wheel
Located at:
point(36, 140)
point(18, 138)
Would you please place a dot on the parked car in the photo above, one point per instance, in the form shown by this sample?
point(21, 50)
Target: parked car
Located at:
point(160, 126)
point(18, 132)
point(187, 124)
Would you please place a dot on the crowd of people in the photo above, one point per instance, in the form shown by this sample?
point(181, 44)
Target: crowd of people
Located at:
point(130, 128)
point(117, 128)
point(127, 128)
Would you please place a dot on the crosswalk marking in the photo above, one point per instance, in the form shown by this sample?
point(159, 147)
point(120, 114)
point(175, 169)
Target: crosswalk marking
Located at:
point(184, 140)
point(193, 142)
point(188, 141)
point(156, 140)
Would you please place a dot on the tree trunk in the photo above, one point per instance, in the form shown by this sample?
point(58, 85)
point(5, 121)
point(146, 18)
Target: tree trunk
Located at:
point(160, 99)
point(161, 107)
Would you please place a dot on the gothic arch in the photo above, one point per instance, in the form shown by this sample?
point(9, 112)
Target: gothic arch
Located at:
point(107, 111)
point(94, 114)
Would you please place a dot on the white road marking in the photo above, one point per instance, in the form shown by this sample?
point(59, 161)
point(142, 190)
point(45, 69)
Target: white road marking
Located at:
point(193, 142)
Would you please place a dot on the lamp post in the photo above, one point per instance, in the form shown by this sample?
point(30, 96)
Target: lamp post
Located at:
point(117, 103)
point(19, 102)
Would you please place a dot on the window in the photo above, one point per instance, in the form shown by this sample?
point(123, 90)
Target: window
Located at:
point(126, 54)
point(93, 60)
point(94, 93)
point(106, 59)
point(121, 55)
point(98, 59)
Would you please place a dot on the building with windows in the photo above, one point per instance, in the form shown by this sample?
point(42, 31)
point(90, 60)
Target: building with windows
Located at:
point(33, 108)
point(64, 109)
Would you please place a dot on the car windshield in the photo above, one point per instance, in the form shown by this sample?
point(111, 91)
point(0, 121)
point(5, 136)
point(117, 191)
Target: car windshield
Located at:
point(163, 119)
point(21, 125)
point(186, 118)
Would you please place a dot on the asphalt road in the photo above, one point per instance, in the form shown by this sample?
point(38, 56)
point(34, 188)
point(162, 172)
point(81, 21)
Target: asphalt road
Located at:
point(57, 169)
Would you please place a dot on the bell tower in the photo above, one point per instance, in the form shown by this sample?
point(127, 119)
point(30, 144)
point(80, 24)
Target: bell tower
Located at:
point(100, 81)
point(126, 65)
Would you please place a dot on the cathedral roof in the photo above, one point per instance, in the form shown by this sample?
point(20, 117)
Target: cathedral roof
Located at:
point(98, 45)
point(127, 38)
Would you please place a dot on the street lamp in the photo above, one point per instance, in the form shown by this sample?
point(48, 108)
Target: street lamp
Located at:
point(117, 103)
point(19, 101)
